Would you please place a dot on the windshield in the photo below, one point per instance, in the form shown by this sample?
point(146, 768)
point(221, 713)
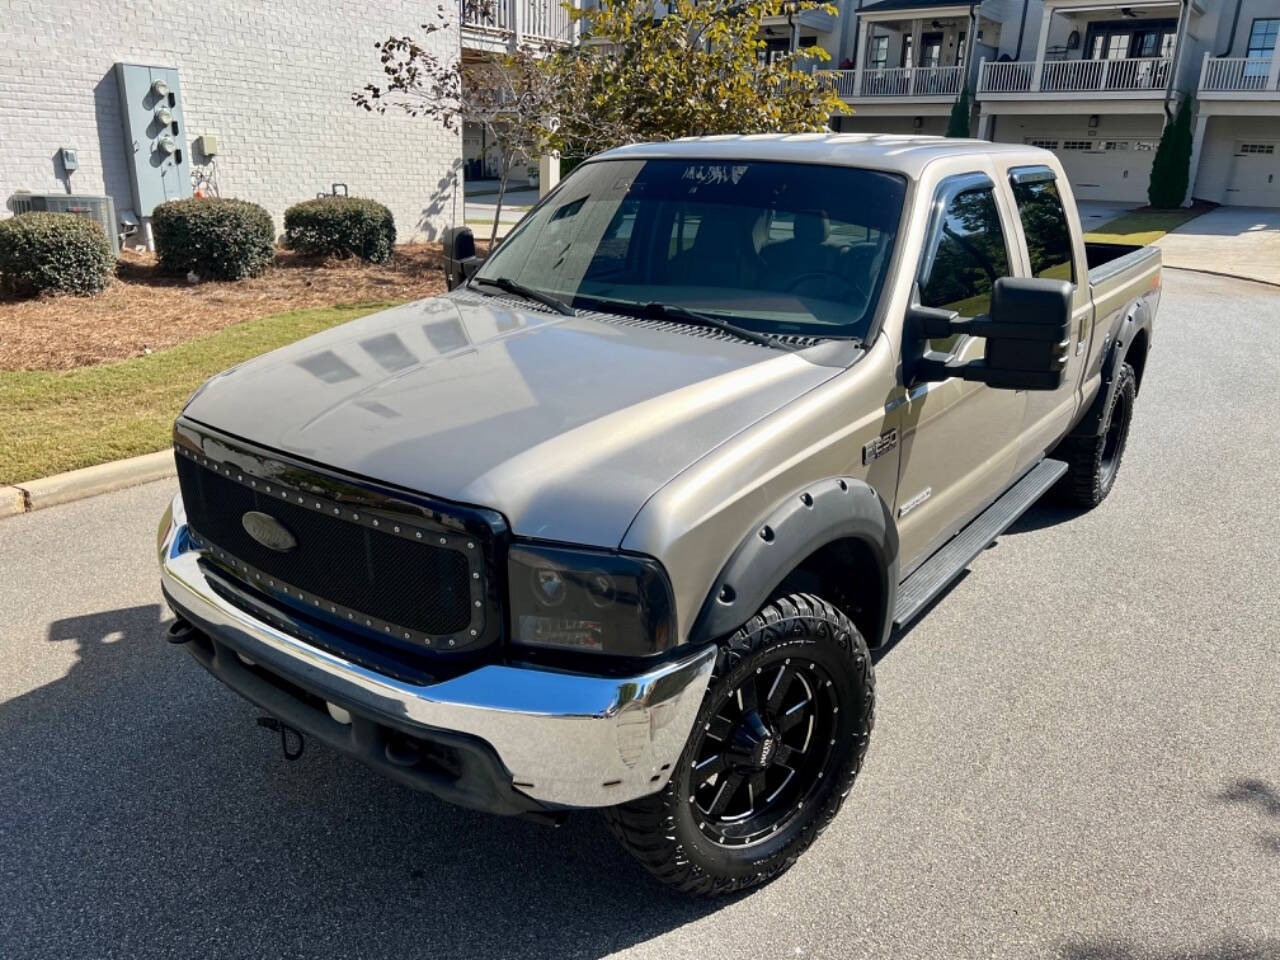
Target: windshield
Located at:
point(781, 248)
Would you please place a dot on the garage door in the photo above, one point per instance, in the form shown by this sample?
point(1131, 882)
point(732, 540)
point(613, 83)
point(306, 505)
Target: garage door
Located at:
point(1255, 174)
point(1105, 169)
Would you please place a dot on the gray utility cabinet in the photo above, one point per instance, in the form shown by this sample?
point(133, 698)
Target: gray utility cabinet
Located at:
point(155, 135)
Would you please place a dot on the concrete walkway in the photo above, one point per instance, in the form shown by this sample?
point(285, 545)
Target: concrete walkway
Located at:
point(1237, 241)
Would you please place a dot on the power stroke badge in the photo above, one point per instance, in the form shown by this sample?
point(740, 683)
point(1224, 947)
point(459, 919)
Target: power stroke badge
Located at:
point(874, 449)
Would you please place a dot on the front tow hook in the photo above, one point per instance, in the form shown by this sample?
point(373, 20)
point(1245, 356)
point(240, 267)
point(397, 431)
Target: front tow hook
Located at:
point(180, 631)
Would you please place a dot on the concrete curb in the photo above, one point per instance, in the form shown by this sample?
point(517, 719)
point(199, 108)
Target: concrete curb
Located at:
point(1222, 273)
point(12, 501)
point(86, 482)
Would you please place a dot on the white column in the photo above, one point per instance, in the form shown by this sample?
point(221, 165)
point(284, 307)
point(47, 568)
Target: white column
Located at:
point(1204, 70)
point(1045, 20)
point(1197, 142)
point(984, 125)
point(517, 21)
point(548, 172)
point(860, 56)
point(1273, 76)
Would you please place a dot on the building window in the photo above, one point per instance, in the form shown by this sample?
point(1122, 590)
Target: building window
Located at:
point(1043, 144)
point(1077, 145)
point(1257, 149)
point(879, 52)
point(931, 49)
point(775, 48)
point(1262, 38)
point(1115, 145)
point(1147, 145)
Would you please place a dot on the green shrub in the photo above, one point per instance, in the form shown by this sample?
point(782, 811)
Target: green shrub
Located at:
point(1171, 167)
point(961, 113)
point(218, 239)
point(54, 251)
point(341, 227)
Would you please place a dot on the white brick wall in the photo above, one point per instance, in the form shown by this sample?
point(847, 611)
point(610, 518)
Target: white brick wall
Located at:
point(271, 78)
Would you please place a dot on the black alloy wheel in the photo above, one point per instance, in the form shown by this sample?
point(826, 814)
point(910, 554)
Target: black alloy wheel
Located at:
point(765, 751)
point(776, 746)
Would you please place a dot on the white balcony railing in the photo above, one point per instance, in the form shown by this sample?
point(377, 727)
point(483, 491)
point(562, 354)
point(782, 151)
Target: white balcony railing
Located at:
point(1076, 76)
point(1012, 76)
point(546, 20)
point(532, 19)
point(488, 14)
point(1229, 74)
point(897, 82)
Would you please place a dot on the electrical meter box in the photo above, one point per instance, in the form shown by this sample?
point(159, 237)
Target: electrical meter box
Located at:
point(155, 135)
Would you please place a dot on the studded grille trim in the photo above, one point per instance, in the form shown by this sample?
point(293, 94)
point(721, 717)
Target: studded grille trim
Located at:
point(272, 585)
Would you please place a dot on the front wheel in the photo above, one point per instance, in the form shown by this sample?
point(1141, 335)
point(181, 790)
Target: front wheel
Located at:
point(776, 747)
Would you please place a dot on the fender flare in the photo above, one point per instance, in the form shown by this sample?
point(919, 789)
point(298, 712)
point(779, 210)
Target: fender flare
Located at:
point(1138, 318)
point(814, 516)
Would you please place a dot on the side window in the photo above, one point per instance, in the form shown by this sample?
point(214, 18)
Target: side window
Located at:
point(1045, 224)
point(970, 254)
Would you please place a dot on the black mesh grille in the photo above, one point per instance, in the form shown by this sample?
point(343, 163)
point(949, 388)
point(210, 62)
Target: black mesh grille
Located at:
point(417, 585)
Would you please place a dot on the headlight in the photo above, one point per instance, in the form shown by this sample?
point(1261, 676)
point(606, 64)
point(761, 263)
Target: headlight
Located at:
point(590, 601)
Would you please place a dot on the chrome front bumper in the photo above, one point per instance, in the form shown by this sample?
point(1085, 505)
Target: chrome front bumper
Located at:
point(566, 739)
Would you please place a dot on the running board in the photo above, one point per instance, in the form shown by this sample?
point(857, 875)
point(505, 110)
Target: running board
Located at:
point(932, 577)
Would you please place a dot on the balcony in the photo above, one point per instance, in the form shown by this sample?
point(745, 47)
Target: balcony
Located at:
point(1066, 79)
point(1239, 78)
point(497, 25)
point(898, 83)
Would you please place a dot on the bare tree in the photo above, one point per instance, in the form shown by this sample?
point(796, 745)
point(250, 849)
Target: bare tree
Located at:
point(510, 96)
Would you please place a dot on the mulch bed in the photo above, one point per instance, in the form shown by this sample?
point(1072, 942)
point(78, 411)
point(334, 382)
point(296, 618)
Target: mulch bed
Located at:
point(144, 310)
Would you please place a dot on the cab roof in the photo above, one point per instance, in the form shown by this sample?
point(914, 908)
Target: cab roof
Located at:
point(902, 154)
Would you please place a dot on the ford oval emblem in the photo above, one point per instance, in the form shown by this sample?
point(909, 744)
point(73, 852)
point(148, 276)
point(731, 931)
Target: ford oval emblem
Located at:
point(268, 531)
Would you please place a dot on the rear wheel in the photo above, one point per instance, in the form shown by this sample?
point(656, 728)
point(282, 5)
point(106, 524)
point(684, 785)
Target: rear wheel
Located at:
point(1093, 462)
point(780, 738)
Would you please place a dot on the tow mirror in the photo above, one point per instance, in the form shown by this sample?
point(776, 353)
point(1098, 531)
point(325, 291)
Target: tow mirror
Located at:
point(460, 260)
point(1028, 334)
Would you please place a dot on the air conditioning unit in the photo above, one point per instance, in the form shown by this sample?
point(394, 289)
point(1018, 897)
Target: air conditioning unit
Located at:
point(101, 210)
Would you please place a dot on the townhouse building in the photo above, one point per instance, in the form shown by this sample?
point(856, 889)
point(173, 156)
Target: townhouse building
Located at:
point(1093, 80)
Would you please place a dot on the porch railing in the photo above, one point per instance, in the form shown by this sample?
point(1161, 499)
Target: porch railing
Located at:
point(1086, 76)
point(897, 82)
point(1012, 76)
point(535, 19)
point(1076, 76)
point(546, 20)
point(1236, 73)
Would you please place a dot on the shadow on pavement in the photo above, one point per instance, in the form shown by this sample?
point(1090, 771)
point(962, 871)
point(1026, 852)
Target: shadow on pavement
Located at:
point(1263, 798)
point(145, 814)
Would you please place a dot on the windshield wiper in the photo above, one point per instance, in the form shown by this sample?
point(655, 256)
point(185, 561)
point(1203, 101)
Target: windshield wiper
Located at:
point(671, 311)
point(520, 290)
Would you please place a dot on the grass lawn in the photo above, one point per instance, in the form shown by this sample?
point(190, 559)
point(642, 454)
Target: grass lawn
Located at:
point(1141, 227)
point(55, 420)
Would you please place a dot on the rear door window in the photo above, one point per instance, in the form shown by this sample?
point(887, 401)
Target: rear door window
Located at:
point(1044, 223)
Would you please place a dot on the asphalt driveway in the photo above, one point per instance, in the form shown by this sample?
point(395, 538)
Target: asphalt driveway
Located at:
point(1076, 755)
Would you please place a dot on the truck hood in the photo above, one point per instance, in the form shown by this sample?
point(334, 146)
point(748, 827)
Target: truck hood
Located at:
point(566, 425)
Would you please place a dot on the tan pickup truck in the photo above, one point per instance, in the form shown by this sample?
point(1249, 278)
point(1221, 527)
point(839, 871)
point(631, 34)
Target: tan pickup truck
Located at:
point(614, 522)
